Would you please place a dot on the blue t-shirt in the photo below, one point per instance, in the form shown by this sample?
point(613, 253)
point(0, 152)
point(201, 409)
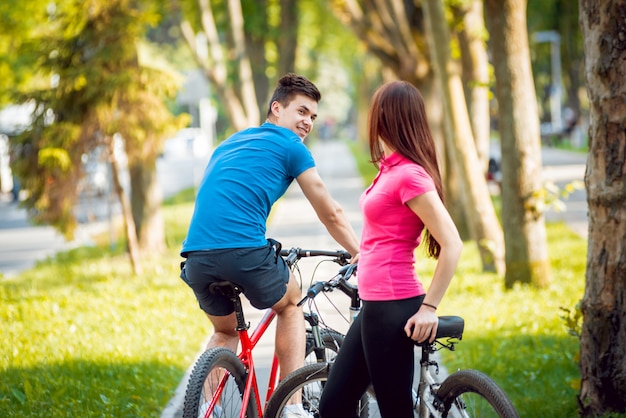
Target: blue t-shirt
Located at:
point(246, 174)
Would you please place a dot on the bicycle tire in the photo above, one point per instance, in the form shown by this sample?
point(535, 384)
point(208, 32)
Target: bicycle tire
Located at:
point(471, 393)
point(218, 360)
point(310, 380)
point(332, 341)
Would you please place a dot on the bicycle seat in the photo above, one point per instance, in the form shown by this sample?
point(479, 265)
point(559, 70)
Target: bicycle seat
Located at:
point(226, 288)
point(449, 327)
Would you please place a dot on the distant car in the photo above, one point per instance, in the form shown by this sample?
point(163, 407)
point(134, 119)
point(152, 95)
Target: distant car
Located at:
point(494, 169)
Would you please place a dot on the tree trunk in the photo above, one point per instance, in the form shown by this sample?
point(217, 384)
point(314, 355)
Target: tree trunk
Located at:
point(146, 200)
point(209, 55)
point(127, 215)
point(522, 215)
point(256, 41)
point(288, 40)
point(480, 212)
point(392, 31)
point(475, 64)
point(244, 67)
point(603, 337)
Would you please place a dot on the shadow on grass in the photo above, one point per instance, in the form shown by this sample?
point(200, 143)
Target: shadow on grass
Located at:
point(87, 389)
point(544, 384)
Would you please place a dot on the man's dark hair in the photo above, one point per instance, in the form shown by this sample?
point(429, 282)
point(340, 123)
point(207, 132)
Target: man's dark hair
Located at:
point(291, 85)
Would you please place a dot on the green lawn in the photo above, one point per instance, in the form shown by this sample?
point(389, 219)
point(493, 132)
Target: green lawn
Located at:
point(520, 337)
point(82, 337)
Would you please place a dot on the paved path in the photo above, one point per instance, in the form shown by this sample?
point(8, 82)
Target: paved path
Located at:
point(23, 244)
point(563, 167)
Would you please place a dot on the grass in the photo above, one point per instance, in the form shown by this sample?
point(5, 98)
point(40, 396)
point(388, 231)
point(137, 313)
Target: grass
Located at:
point(83, 337)
point(520, 337)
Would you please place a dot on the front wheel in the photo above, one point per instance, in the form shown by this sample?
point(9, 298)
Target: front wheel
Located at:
point(310, 380)
point(218, 372)
point(470, 393)
point(331, 341)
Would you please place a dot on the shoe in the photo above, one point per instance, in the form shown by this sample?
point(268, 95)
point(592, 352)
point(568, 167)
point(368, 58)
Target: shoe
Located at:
point(217, 411)
point(295, 411)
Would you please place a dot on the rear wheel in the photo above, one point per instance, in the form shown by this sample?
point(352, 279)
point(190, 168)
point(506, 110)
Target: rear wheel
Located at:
point(470, 393)
point(217, 370)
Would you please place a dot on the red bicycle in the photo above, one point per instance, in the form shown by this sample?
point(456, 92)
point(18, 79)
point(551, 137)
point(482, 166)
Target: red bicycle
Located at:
point(223, 384)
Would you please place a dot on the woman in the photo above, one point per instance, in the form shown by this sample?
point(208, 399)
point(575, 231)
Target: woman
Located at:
point(404, 200)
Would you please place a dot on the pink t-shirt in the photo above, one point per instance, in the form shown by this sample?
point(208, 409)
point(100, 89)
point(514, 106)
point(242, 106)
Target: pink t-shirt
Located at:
point(391, 231)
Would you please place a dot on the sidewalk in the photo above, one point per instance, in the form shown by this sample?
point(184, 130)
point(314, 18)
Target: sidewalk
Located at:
point(22, 244)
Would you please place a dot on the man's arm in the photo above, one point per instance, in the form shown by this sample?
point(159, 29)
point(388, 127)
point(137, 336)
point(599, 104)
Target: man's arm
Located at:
point(328, 210)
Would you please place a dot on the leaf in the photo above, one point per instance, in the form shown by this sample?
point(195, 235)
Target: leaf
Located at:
point(54, 157)
point(19, 395)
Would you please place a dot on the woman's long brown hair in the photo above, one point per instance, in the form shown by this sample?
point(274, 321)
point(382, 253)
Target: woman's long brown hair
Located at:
point(397, 116)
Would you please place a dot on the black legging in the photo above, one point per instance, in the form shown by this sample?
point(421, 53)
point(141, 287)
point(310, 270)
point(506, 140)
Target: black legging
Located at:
point(376, 350)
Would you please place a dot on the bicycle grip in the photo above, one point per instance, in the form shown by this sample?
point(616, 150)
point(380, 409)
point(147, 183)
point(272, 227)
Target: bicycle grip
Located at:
point(315, 289)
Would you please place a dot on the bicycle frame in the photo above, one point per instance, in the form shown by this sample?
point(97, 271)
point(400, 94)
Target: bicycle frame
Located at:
point(426, 380)
point(248, 342)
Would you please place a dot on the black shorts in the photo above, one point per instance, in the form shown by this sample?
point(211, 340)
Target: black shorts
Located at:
point(261, 273)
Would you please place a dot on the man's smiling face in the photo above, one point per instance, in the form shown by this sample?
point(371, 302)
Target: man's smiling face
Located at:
point(298, 116)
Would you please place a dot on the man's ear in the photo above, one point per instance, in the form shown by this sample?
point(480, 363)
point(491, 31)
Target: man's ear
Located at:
point(276, 108)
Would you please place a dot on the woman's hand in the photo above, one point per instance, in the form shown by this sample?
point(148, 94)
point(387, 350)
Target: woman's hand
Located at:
point(423, 325)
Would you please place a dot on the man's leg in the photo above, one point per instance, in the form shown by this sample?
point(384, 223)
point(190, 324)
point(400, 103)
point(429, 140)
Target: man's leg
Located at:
point(290, 330)
point(224, 333)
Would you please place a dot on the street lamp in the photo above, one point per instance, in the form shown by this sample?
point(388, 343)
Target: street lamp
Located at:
point(555, 92)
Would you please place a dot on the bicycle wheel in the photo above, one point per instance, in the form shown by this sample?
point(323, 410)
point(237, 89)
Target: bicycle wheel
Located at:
point(310, 380)
point(217, 366)
point(470, 393)
point(331, 340)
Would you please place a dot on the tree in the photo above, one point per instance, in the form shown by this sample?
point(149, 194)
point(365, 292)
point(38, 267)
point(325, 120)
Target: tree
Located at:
point(223, 45)
point(101, 89)
point(395, 33)
point(18, 21)
point(526, 252)
point(472, 45)
point(603, 336)
point(460, 142)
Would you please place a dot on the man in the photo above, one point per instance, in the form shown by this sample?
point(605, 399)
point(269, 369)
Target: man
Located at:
point(226, 240)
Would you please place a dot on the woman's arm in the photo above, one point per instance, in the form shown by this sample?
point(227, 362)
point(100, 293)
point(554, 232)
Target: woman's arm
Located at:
point(431, 210)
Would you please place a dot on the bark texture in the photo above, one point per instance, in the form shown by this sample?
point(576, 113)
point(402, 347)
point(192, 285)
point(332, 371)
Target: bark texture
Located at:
point(146, 201)
point(603, 337)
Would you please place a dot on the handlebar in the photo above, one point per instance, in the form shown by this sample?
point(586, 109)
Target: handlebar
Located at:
point(339, 281)
point(344, 274)
point(294, 254)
